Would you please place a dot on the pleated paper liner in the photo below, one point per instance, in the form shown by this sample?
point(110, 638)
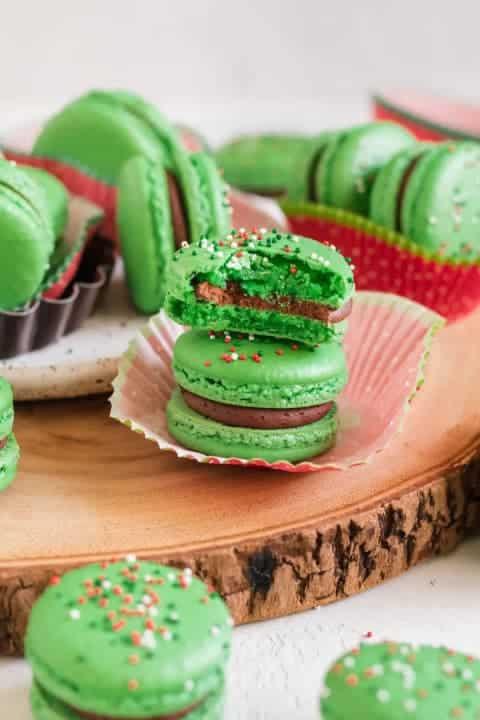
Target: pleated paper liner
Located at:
point(387, 262)
point(79, 273)
point(387, 346)
point(428, 117)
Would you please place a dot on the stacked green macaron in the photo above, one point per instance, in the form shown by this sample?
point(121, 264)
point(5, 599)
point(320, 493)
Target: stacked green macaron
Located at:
point(333, 168)
point(431, 195)
point(33, 210)
point(259, 373)
point(128, 639)
point(397, 681)
point(9, 451)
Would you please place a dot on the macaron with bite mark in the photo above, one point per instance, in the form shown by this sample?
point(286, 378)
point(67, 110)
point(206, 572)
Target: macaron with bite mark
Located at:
point(128, 639)
point(275, 284)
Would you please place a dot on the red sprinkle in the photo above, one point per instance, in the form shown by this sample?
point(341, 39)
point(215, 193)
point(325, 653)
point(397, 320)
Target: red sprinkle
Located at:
point(136, 638)
point(117, 590)
point(127, 599)
point(221, 243)
point(293, 269)
point(82, 600)
point(205, 599)
point(227, 339)
point(119, 625)
point(242, 357)
point(103, 602)
point(240, 253)
point(369, 634)
point(207, 363)
point(111, 615)
point(104, 564)
point(294, 347)
point(279, 352)
point(125, 572)
point(227, 358)
point(150, 624)
point(88, 583)
point(256, 358)
point(184, 583)
point(54, 580)
point(287, 248)
point(232, 349)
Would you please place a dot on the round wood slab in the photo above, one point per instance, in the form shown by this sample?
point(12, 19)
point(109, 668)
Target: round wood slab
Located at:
point(272, 543)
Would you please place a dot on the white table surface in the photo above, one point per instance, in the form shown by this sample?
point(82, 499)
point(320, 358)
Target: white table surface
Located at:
point(277, 666)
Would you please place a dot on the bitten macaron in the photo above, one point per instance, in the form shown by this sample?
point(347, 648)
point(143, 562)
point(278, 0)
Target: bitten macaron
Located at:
point(102, 129)
point(255, 397)
point(160, 210)
point(128, 639)
point(9, 451)
point(281, 285)
point(431, 195)
point(397, 681)
point(27, 237)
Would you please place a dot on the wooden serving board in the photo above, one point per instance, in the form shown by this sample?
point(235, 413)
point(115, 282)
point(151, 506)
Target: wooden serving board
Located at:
point(272, 543)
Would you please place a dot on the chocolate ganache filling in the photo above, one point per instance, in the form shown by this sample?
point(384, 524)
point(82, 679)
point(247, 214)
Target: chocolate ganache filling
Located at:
point(178, 210)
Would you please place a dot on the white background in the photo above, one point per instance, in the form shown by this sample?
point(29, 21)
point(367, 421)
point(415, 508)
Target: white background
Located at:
point(224, 67)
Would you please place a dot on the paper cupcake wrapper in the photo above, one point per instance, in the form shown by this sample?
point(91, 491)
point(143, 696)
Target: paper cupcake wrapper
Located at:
point(387, 262)
point(70, 290)
point(387, 345)
point(429, 118)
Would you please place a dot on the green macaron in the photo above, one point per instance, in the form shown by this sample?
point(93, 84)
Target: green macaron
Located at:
point(275, 284)
point(430, 194)
point(273, 165)
point(397, 681)
point(9, 451)
point(255, 397)
point(350, 162)
point(55, 194)
point(128, 640)
point(27, 238)
point(101, 130)
point(158, 211)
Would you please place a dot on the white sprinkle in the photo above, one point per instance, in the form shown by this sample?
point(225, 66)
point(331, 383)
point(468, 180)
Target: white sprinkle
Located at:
point(131, 558)
point(378, 669)
point(349, 662)
point(148, 640)
point(467, 674)
point(251, 338)
point(106, 584)
point(327, 263)
point(404, 650)
point(12, 162)
point(234, 356)
point(229, 237)
point(174, 616)
point(263, 230)
point(141, 608)
point(448, 668)
point(214, 630)
point(75, 614)
point(148, 578)
point(152, 611)
point(252, 237)
point(184, 244)
point(410, 705)
point(189, 685)
point(242, 230)
point(383, 696)
point(295, 238)
point(219, 253)
point(314, 255)
point(171, 577)
point(166, 635)
point(147, 600)
point(251, 245)
point(230, 622)
point(234, 244)
point(188, 570)
point(212, 337)
point(325, 693)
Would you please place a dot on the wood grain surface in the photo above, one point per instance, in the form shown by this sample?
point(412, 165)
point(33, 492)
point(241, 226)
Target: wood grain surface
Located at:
point(272, 543)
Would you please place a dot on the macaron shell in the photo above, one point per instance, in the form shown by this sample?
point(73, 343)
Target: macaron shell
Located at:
point(98, 136)
point(146, 232)
point(287, 376)
point(48, 708)
point(352, 160)
point(24, 258)
point(9, 457)
point(6, 408)
point(386, 188)
point(198, 433)
point(156, 658)
point(441, 209)
point(214, 195)
point(395, 681)
point(55, 195)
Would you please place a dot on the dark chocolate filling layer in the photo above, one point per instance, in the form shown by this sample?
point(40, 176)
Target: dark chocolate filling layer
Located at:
point(234, 295)
point(265, 192)
point(312, 174)
point(3, 442)
point(94, 716)
point(402, 190)
point(255, 418)
point(181, 231)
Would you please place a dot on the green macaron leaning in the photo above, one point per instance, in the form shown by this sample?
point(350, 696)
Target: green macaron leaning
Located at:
point(280, 285)
point(9, 451)
point(160, 210)
point(128, 639)
point(102, 129)
point(273, 165)
point(351, 159)
point(27, 237)
point(55, 197)
point(431, 195)
point(398, 681)
point(254, 397)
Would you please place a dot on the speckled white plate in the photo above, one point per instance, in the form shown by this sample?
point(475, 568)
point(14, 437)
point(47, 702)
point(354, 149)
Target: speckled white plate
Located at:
point(85, 362)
